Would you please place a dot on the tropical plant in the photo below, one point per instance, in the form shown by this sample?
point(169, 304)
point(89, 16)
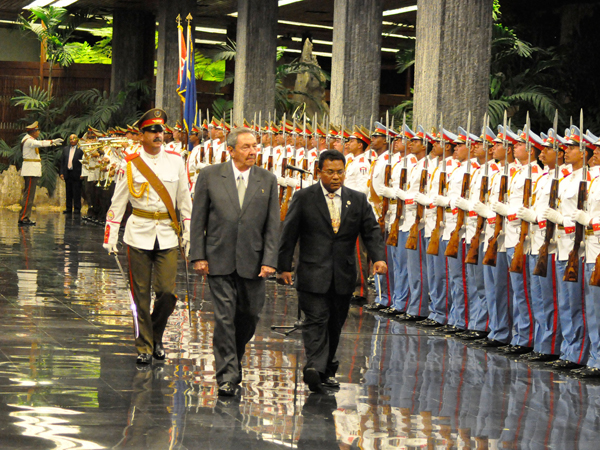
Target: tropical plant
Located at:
point(98, 53)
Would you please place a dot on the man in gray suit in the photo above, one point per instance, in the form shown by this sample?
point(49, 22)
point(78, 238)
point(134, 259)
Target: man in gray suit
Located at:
point(234, 235)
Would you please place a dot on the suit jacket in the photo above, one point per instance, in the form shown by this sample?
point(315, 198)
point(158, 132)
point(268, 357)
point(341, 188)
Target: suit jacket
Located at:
point(229, 238)
point(64, 161)
point(327, 257)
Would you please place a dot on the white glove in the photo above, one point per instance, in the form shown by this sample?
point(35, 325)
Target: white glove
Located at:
point(483, 210)
point(527, 215)
point(57, 141)
point(423, 199)
point(400, 194)
point(553, 216)
point(500, 208)
point(111, 248)
point(582, 217)
point(185, 243)
point(291, 182)
point(440, 200)
point(464, 204)
point(281, 181)
point(388, 192)
point(201, 165)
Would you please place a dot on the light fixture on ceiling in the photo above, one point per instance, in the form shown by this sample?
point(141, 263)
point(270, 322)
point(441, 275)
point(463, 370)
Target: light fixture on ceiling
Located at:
point(63, 3)
point(212, 30)
point(393, 12)
point(287, 2)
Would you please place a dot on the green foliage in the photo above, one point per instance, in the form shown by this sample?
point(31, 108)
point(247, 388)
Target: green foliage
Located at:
point(405, 59)
point(221, 109)
point(99, 53)
point(208, 70)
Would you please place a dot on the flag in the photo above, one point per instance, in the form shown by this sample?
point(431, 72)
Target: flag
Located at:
point(182, 57)
point(190, 109)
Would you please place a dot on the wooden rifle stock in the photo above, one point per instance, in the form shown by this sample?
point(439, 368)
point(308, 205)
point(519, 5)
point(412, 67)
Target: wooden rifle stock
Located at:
point(413, 234)
point(385, 204)
point(516, 266)
point(454, 242)
point(288, 196)
point(283, 166)
point(210, 153)
point(395, 228)
point(270, 163)
point(595, 278)
point(541, 267)
point(489, 259)
point(572, 269)
point(473, 253)
point(434, 243)
point(201, 153)
point(259, 160)
point(223, 157)
point(305, 167)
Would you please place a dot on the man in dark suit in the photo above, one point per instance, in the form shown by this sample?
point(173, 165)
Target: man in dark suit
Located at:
point(70, 172)
point(234, 232)
point(326, 218)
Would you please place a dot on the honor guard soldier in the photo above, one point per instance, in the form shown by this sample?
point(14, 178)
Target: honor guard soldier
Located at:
point(32, 168)
point(155, 184)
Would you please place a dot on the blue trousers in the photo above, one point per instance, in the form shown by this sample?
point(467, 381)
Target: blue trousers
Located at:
point(418, 304)
point(592, 308)
point(478, 310)
point(457, 276)
point(401, 291)
point(437, 279)
point(573, 321)
point(498, 295)
point(522, 313)
point(547, 336)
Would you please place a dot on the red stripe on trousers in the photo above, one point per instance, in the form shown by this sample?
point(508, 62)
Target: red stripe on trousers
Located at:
point(528, 301)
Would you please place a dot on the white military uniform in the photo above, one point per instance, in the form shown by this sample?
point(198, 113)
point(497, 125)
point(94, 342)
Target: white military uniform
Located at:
point(357, 172)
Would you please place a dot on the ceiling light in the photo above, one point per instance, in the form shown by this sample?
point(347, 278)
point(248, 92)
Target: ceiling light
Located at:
point(287, 2)
point(38, 3)
point(63, 3)
point(211, 30)
point(400, 36)
point(208, 41)
point(302, 24)
point(393, 12)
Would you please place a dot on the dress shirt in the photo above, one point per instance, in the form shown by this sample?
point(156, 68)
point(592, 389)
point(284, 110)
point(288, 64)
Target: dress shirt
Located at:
point(71, 154)
point(337, 200)
point(236, 173)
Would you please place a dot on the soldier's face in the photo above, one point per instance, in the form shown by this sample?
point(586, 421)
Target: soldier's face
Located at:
point(498, 151)
point(338, 145)
point(573, 155)
point(152, 139)
point(245, 151)
point(399, 147)
point(461, 153)
point(548, 156)
point(378, 142)
point(354, 146)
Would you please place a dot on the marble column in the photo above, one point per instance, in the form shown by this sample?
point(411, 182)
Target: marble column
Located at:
point(254, 87)
point(132, 48)
point(356, 60)
point(452, 67)
point(167, 54)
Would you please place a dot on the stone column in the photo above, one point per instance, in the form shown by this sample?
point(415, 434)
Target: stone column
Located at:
point(452, 67)
point(133, 48)
point(167, 56)
point(356, 60)
point(254, 88)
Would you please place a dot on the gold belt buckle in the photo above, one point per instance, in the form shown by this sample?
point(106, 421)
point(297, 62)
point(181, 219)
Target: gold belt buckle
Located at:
point(156, 215)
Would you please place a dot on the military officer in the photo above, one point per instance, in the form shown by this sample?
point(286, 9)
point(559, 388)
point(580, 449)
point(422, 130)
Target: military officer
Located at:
point(155, 184)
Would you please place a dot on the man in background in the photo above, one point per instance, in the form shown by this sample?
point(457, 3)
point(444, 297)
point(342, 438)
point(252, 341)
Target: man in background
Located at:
point(70, 173)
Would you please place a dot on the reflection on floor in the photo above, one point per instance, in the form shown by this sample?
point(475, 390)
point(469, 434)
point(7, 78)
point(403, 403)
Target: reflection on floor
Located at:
point(68, 378)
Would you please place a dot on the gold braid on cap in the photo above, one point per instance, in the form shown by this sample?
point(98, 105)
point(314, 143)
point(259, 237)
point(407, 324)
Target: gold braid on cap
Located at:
point(144, 188)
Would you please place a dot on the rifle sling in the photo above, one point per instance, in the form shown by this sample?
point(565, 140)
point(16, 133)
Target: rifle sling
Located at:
point(160, 189)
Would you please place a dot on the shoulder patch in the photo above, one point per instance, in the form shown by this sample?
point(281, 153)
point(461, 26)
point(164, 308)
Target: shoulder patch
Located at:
point(362, 159)
point(512, 171)
point(534, 168)
point(413, 159)
point(313, 154)
point(565, 172)
point(449, 163)
point(494, 167)
point(386, 156)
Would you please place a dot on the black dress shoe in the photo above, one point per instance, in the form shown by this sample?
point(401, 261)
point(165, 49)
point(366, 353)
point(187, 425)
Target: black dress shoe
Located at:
point(473, 335)
point(518, 350)
point(375, 306)
point(492, 343)
point(331, 382)
point(562, 364)
point(449, 329)
point(358, 300)
point(227, 389)
point(541, 357)
point(431, 323)
point(26, 221)
point(159, 351)
point(313, 379)
point(144, 358)
point(411, 318)
point(588, 372)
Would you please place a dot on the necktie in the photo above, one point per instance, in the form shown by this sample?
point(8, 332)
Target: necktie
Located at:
point(241, 187)
point(334, 213)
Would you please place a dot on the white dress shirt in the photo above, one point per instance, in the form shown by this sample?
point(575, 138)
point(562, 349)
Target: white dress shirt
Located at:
point(237, 174)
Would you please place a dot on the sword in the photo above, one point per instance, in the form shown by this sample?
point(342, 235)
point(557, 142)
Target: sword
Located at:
point(132, 303)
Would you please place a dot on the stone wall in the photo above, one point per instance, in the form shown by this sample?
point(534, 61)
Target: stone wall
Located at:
point(11, 187)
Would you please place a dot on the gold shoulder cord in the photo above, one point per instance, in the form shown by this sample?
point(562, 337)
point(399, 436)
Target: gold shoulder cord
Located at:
point(145, 186)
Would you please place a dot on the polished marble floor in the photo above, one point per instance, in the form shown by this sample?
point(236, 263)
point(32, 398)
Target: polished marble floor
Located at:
point(68, 378)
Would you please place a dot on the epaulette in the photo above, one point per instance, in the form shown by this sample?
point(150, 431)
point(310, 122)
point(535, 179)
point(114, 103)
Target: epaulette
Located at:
point(565, 172)
point(386, 156)
point(449, 163)
point(131, 156)
point(313, 153)
point(512, 171)
point(534, 169)
point(494, 166)
point(474, 165)
point(413, 159)
point(362, 159)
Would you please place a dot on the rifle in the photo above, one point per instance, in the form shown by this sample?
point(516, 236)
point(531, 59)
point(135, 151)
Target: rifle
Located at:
point(210, 142)
point(453, 243)
point(572, 269)
point(289, 190)
point(473, 253)
point(516, 266)
point(259, 157)
point(387, 177)
point(271, 149)
point(491, 254)
point(283, 160)
point(541, 267)
point(395, 227)
point(434, 242)
point(413, 234)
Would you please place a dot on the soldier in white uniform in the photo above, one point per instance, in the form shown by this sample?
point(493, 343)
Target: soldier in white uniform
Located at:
point(151, 233)
point(32, 169)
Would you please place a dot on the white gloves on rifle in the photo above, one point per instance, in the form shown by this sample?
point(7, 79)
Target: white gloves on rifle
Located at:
point(500, 208)
point(111, 248)
point(464, 204)
point(483, 210)
point(291, 182)
point(553, 216)
point(401, 194)
point(388, 192)
point(526, 214)
point(582, 217)
point(57, 141)
point(423, 199)
point(281, 181)
point(441, 200)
